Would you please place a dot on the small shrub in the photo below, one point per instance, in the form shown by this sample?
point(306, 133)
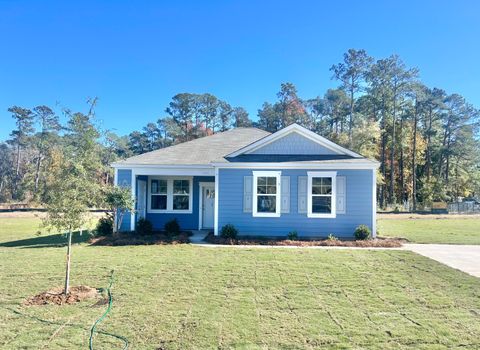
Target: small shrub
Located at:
point(172, 227)
point(292, 236)
point(332, 238)
point(362, 232)
point(144, 227)
point(104, 226)
point(229, 231)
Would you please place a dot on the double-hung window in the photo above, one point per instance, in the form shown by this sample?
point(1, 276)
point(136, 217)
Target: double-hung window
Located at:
point(181, 194)
point(158, 190)
point(321, 194)
point(170, 195)
point(266, 193)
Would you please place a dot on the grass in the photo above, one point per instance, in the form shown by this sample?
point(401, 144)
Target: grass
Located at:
point(187, 297)
point(441, 230)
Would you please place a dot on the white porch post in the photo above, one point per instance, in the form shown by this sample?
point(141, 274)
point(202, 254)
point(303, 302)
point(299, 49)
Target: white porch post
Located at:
point(134, 197)
point(215, 211)
point(115, 214)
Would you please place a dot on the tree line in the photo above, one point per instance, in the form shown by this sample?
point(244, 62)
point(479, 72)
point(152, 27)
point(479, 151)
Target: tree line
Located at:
point(426, 140)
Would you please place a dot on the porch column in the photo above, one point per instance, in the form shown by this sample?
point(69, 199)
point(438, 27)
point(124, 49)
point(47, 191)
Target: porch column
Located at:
point(134, 197)
point(215, 209)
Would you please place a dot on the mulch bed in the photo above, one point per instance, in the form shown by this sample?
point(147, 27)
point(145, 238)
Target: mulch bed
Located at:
point(371, 243)
point(132, 238)
point(56, 296)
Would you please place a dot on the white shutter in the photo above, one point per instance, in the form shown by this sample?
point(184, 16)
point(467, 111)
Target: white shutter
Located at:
point(302, 194)
point(247, 194)
point(341, 194)
point(285, 194)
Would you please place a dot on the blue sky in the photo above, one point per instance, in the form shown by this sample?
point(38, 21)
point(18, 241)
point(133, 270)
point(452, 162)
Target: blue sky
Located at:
point(136, 55)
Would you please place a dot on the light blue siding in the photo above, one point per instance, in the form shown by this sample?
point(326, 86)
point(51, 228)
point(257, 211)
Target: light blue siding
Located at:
point(124, 179)
point(294, 143)
point(186, 221)
point(358, 207)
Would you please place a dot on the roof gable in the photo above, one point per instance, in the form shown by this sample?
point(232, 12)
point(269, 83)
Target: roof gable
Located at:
point(294, 140)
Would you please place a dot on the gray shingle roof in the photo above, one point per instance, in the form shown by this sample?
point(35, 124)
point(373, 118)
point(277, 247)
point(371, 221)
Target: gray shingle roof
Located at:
point(202, 151)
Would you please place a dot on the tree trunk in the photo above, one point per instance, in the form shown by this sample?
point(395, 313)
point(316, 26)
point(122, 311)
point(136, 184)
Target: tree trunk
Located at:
point(37, 173)
point(350, 126)
point(401, 164)
point(17, 168)
point(17, 174)
point(67, 272)
point(392, 155)
point(383, 159)
point(428, 154)
point(414, 160)
point(447, 165)
point(443, 150)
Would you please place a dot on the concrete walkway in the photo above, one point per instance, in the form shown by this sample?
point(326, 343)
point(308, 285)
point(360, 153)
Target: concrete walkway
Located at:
point(465, 258)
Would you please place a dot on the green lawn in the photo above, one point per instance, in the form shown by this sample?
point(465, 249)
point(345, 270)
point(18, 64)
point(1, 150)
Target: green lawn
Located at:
point(185, 297)
point(420, 230)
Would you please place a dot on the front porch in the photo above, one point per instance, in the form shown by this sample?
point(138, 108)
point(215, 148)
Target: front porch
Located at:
point(161, 196)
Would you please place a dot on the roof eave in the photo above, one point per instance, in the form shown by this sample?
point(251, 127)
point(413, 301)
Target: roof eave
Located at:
point(360, 164)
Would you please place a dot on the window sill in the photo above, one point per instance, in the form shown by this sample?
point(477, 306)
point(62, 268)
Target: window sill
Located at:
point(156, 211)
point(321, 216)
point(266, 215)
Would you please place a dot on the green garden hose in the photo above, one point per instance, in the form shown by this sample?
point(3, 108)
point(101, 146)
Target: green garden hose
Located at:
point(92, 329)
point(107, 311)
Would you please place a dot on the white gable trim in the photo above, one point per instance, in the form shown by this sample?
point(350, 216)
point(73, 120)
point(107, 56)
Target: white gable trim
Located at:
point(300, 130)
point(361, 164)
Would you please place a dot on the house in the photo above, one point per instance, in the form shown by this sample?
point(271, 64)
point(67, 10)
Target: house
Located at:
point(264, 184)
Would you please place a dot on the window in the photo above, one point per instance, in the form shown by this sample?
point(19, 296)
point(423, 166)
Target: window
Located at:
point(321, 194)
point(266, 193)
point(170, 195)
point(159, 194)
point(181, 194)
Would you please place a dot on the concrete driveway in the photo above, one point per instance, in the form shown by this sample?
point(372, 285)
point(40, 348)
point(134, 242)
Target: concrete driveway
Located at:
point(462, 257)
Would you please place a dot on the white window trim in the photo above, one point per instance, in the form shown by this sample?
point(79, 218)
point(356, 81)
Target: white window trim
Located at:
point(170, 209)
point(256, 175)
point(333, 176)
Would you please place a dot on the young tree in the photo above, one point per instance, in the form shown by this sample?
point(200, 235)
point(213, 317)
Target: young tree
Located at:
point(120, 202)
point(76, 184)
point(67, 206)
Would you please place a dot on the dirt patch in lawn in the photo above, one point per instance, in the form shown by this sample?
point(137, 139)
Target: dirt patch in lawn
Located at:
point(56, 296)
point(371, 243)
point(132, 238)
